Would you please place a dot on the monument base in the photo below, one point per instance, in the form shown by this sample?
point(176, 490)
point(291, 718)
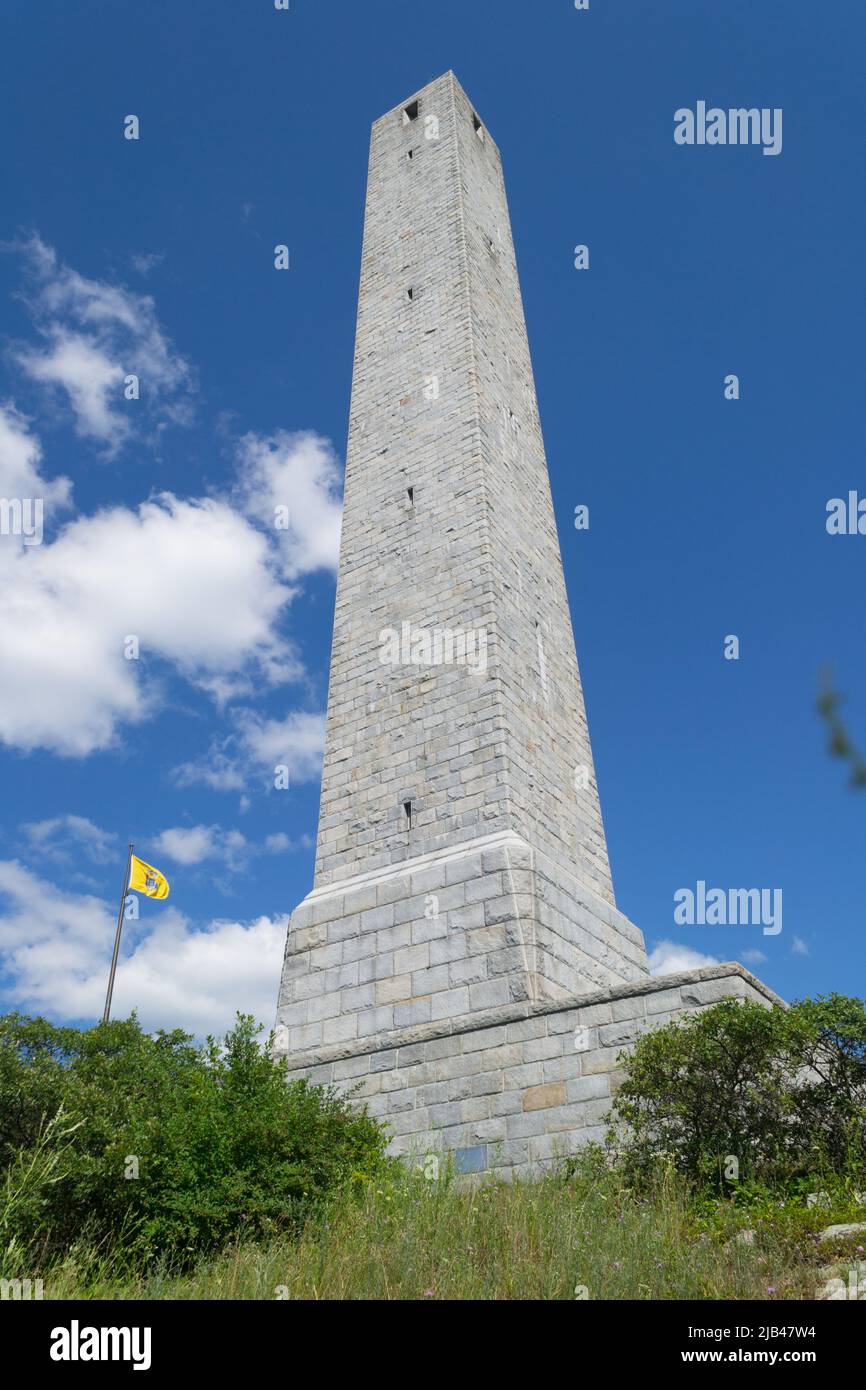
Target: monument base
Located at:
point(512, 1089)
point(445, 937)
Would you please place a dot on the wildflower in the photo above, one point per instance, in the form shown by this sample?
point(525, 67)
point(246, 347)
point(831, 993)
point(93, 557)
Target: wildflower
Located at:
point(428, 1293)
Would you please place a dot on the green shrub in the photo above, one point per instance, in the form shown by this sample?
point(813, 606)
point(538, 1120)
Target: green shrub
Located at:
point(222, 1146)
point(783, 1092)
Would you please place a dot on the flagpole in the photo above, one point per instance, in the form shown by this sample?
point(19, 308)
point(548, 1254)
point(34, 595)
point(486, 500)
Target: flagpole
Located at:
point(107, 1009)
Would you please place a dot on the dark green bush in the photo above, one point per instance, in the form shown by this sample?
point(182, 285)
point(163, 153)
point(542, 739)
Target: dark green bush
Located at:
point(782, 1092)
point(223, 1146)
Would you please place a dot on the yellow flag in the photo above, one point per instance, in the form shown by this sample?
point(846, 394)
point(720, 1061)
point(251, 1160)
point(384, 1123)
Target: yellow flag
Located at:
point(144, 878)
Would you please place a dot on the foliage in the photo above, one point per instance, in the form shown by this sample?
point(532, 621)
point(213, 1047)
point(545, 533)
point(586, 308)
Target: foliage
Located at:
point(164, 1148)
point(839, 741)
point(740, 1092)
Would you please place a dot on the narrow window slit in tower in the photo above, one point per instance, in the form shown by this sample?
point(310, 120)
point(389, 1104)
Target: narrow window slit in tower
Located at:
point(407, 807)
point(478, 127)
point(410, 293)
point(410, 154)
point(411, 494)
point(410, 112)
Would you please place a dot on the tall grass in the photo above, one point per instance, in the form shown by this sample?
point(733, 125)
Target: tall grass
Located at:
point(589, 1237)
point(24, 1183)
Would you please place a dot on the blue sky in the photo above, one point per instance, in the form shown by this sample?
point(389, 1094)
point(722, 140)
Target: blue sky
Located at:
point(707, 516)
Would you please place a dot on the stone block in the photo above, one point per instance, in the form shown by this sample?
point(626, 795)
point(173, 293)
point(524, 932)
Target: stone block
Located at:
point(543, 1097)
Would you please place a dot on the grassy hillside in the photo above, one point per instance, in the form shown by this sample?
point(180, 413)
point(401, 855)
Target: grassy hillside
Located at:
point(587, 1236)
point(139, 1166)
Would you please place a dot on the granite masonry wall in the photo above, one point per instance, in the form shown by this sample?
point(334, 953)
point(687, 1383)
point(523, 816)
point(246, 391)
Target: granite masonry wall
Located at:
point(515, 1087)
point(453, 932)
point(448, 525)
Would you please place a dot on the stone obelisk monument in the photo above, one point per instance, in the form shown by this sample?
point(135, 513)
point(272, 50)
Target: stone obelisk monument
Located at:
point(461, 953)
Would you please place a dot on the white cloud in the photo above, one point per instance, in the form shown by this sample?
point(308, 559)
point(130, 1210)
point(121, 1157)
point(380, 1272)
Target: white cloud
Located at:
point(198, 980)
point(196, 843)
point(291, 485)
point(799, 947)
point(67, 839)
point(753, 957)
point(295, 742)
point(282, 843)
point(20, 459)
point(277, 844)
point(144, 261)
point(218, 769)
point(667, 958)
point(92, 381)
point(192, 581)
point(49, 940)
point(202, 584)
point(55, 947)
point(95, 334)
point(64, 838)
